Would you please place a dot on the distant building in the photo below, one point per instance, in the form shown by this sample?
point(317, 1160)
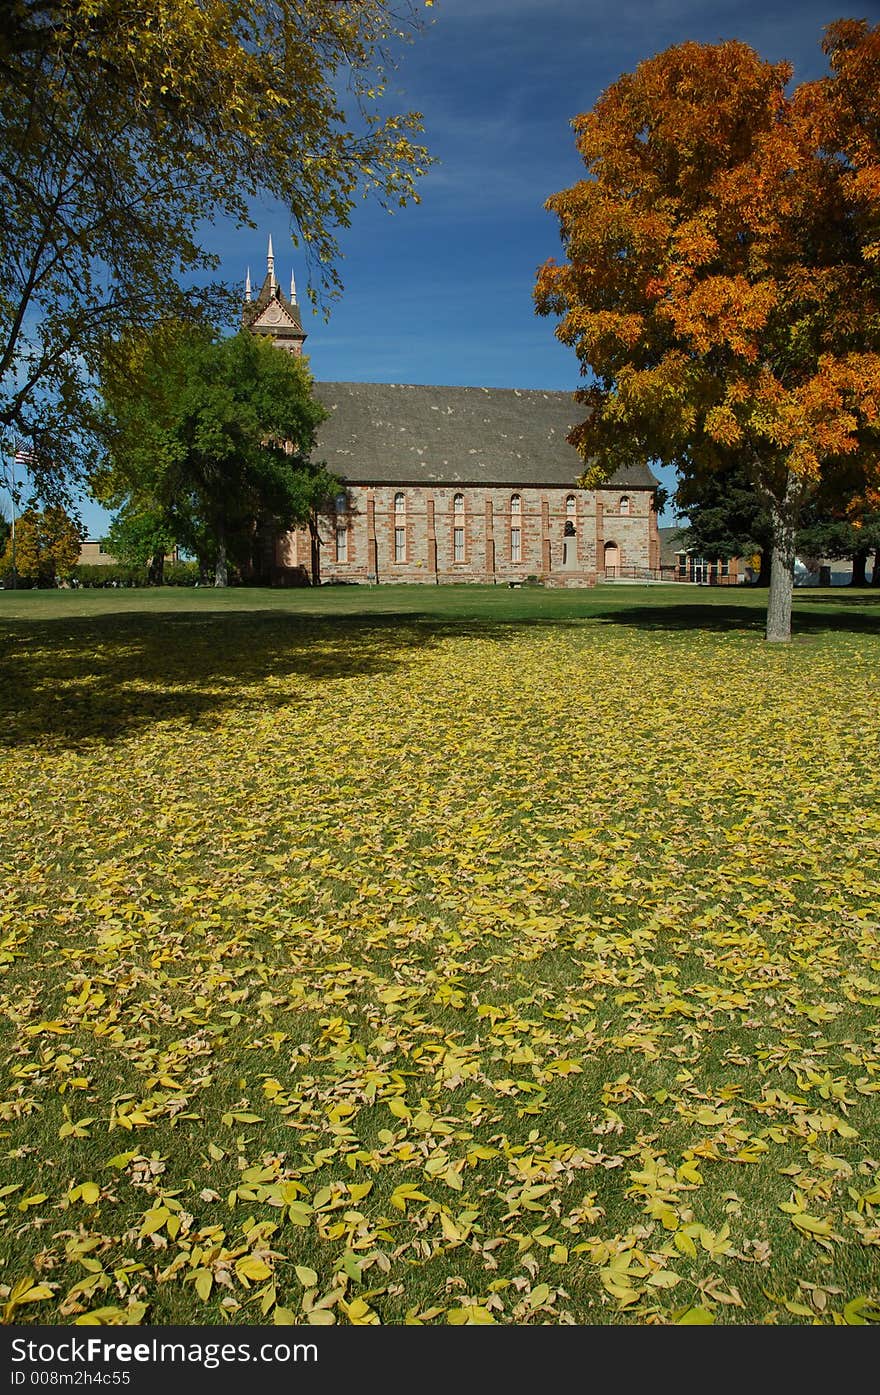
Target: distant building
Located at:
point(681, 563)
point(446, 484)
point(678, 562)
point(92, 554)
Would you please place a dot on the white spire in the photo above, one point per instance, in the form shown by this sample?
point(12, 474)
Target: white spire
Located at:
point(292, 289)
point(247, 285)
point(270, 264)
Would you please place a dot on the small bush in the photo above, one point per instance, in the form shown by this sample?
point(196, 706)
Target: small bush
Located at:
point(116, 574)
point(113, 574)
point(181, 573)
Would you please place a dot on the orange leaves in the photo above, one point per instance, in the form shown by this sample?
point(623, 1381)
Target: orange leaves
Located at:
point(724, 312)
point(723, 427)
point(680, 116)
point(695, 243)
point(731, 227)
point(820, 417)
point(606, 332)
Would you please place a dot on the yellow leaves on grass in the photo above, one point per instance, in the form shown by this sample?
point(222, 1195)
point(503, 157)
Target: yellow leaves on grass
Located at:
point(25, 1291)
point(577, 1026)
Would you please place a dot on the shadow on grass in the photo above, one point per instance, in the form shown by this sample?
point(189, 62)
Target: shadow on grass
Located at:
point(719, 618)
point(69, 681)
point(74, 680)
point(835, 598)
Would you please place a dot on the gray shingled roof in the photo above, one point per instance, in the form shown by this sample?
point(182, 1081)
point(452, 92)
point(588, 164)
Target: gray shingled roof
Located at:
point(671, 543)
point(390, 433)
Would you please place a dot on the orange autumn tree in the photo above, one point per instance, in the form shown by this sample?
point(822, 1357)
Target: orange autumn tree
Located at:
point(722, 287)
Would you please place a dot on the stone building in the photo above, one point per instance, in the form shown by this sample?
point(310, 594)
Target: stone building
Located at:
point(446, 484)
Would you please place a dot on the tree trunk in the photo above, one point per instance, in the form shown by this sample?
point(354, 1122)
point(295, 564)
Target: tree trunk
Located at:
point(221, 575)
point(156, 573)
point(315, 541)
point(859, 567)
point(875, 570)
point(764, 569)
point(783, 514)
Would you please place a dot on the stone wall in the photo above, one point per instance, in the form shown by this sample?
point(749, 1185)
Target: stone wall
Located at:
point(448, 533)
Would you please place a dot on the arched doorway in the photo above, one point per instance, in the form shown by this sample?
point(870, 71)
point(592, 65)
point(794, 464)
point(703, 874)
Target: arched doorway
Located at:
point(612, 559)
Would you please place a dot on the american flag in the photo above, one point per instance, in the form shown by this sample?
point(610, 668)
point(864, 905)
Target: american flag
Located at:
point(25, 457)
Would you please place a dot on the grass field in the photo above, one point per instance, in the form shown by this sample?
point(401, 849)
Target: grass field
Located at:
point(439, 956)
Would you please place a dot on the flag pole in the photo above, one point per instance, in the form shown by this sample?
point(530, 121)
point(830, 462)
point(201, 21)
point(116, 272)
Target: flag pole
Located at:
point(9, 484)
point(16, 448)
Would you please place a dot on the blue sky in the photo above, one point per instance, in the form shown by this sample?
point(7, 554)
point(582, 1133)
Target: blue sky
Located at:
point(441, 292)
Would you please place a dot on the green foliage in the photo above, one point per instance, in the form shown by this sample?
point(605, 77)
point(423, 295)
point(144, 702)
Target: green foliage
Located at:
point(357, 987)
point(181, 574)
point(841, 537)
point(91, 577)
point(726, 517)
point(209, 440)
point(126, 129)
point(136, 537)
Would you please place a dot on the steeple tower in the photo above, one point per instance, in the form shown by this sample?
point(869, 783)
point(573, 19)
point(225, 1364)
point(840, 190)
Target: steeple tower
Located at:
point(272, 313)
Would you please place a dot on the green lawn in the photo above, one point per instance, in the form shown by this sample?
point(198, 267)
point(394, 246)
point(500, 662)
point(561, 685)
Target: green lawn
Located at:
point(439, 955)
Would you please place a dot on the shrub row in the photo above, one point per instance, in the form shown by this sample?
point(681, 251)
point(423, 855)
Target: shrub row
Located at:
point(114, 574)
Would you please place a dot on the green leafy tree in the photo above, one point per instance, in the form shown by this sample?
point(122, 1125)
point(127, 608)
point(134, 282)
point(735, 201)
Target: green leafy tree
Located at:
point(46, 547)
point(856, 537)
point(124, 128)
point(210, 438)
point(722, 287)
point(726, 517)
point(140, 538)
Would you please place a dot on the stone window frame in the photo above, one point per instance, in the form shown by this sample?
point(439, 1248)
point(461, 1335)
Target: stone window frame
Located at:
point(516, 513)
point(341, 542)
point(399, 538)
point(624, 507)
point(459, 528)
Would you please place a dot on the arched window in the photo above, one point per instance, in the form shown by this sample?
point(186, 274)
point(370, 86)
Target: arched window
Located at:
point(458, 528)
point(570, 506)
point(399, 528)
point(625, 504)
point(612, 559)
point(341, 503)
point(516, 527)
